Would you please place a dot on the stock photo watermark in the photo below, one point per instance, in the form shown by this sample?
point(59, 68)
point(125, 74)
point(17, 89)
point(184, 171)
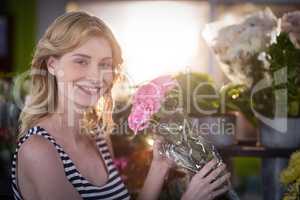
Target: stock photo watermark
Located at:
point(46, 95)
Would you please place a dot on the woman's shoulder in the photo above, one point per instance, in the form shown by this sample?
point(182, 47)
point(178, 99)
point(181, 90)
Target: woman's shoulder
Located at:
point(39, 164)
point(38, 160)
point(35, 148)
point(35, 141)
point(38, 150)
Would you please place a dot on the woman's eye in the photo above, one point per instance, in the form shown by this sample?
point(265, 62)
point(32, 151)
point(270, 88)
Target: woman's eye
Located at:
point(106, 65)
point(81, 62)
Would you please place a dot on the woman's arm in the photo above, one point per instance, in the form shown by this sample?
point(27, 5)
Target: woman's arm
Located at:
point(154, 181)
point(158, 171)
point(41, 173)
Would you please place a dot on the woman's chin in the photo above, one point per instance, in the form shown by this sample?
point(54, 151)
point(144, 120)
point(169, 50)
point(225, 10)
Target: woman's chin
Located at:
point(82, 103)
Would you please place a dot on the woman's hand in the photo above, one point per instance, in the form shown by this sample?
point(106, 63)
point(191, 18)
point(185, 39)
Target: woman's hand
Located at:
point(160, 159)
point(158, 171)
point(206, 185)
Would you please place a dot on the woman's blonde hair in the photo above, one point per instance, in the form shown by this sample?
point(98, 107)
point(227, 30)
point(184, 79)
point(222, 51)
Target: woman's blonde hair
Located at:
point(66, 33)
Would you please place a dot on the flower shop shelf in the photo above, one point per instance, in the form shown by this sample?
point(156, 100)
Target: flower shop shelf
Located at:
point(255, 151)
point(274, 160)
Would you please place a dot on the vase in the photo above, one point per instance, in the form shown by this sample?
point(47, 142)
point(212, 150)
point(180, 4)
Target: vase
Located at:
point(245, 131)
point(271, 169)
point(274, 138)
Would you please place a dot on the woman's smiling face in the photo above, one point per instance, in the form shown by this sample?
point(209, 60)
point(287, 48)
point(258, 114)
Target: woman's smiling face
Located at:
point(84, 74)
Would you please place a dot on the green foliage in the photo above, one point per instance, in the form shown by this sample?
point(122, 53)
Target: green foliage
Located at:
point(284, 60)
point(285, 54)
point(199, 95)
point(236, 97)
point(246, 166)
point(24, 35)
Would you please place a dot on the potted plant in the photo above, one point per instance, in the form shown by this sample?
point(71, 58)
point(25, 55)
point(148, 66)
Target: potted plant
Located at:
point(281, 101)
point(279, 104)
point(254, 53)
point(253, 50)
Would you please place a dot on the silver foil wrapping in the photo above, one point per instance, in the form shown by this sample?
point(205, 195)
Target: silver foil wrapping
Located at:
point(188, 152)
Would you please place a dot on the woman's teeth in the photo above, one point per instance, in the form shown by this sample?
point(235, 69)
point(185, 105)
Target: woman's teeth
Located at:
point(89, 90)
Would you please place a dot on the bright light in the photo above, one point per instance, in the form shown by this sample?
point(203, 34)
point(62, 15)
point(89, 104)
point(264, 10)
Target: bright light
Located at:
point(158, 37)
point(150, 141)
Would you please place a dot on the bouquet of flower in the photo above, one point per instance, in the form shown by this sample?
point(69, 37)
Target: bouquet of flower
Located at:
point(158, 106)
point(238, 45)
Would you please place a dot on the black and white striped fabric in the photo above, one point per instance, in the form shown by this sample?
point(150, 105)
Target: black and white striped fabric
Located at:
point(113, 189)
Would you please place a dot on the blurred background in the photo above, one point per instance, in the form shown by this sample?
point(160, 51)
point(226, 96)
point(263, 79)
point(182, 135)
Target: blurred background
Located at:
point(157, 37)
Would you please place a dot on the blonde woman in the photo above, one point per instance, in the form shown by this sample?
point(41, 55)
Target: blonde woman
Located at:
point(61, 154)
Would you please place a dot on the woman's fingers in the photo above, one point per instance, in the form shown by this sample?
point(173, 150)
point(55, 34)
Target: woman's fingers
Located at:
point(158, 138)
point(220, 191)
point(215, 173)
point(217, 183)
point(208, 167)
point(158, 155)
point(207, 183)
point(157, 143)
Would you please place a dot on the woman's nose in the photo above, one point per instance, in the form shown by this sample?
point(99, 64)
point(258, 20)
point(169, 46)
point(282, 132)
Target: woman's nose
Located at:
point(94, 73)
point(100, 75)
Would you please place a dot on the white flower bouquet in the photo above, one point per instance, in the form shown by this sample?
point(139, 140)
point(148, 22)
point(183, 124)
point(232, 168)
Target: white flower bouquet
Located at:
point(237, 46)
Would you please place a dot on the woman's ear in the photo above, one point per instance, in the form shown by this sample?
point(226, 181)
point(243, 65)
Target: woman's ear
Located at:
point(51, 65)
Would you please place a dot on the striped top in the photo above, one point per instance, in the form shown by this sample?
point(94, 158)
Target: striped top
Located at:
point(113, 189)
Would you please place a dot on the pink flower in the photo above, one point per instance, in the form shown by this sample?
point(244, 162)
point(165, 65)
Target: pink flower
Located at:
point(156, 88)
point(147, 91)
point(120, 163)
point(150, 89)
point(138, 120)
point(147, 101)
point(151, 105)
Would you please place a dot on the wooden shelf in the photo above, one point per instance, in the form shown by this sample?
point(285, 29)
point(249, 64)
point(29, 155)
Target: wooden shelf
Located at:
point(255, 151)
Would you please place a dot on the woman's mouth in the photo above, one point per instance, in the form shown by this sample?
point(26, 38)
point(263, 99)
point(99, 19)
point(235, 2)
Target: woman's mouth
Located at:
point(89, 90)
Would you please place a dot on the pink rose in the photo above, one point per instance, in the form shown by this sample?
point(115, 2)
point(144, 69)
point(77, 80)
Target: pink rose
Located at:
point(148, 97)
point(151, 105)
point(155, 90)
point(138, 120)
point(147, 101)
point(150, 90)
